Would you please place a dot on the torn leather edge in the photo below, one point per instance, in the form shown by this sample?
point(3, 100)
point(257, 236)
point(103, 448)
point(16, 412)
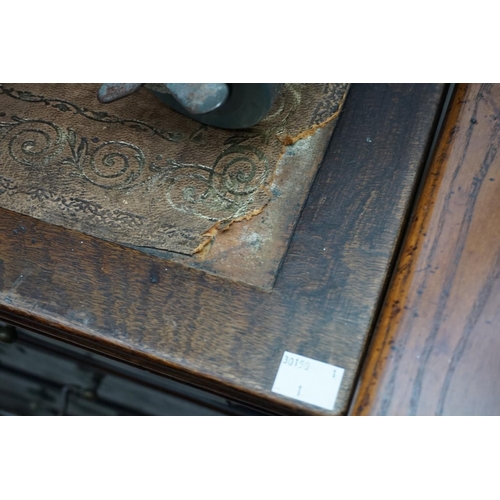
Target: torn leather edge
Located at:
point(286, 141)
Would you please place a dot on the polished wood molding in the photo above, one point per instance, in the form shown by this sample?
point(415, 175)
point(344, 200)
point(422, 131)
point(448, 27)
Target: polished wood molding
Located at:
point(436, 348)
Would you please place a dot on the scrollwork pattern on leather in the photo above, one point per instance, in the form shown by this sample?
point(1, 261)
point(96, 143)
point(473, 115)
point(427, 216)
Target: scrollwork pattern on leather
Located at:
point(32, 143)
point(116, 172)
point(101, 116)
point(111, 165)
point(240, 170)
point(115, 164)
point(219, 192)
point(216, 192)
point(284, 107)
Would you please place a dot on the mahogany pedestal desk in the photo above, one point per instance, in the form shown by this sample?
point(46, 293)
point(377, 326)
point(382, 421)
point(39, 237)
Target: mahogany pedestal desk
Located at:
point(229, 338)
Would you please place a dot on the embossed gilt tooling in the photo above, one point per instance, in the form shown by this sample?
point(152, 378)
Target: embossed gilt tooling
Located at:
point(137, 172)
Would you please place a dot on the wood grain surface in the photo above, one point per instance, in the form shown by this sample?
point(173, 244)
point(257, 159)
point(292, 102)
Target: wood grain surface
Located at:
point(436, 349)
point(229, 337)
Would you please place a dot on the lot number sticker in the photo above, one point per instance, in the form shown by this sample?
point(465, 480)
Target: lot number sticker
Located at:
point(308, 380)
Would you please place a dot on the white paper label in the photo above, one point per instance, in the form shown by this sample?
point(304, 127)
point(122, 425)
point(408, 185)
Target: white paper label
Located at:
point(308, 380)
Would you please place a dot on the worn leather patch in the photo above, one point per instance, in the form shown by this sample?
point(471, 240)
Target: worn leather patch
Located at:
point(138, 173)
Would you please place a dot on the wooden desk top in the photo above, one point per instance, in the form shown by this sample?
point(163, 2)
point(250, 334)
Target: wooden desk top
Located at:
point(436, 349)
point(227, 337)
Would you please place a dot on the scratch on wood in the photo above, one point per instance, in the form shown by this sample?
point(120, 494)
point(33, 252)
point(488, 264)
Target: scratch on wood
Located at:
point(14, 287)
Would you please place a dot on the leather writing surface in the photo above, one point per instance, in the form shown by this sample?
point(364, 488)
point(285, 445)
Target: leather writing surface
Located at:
point(136, 171)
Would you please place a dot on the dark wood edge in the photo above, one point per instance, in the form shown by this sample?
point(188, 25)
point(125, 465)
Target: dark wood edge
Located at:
point(372, 387)
point(374, 336)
